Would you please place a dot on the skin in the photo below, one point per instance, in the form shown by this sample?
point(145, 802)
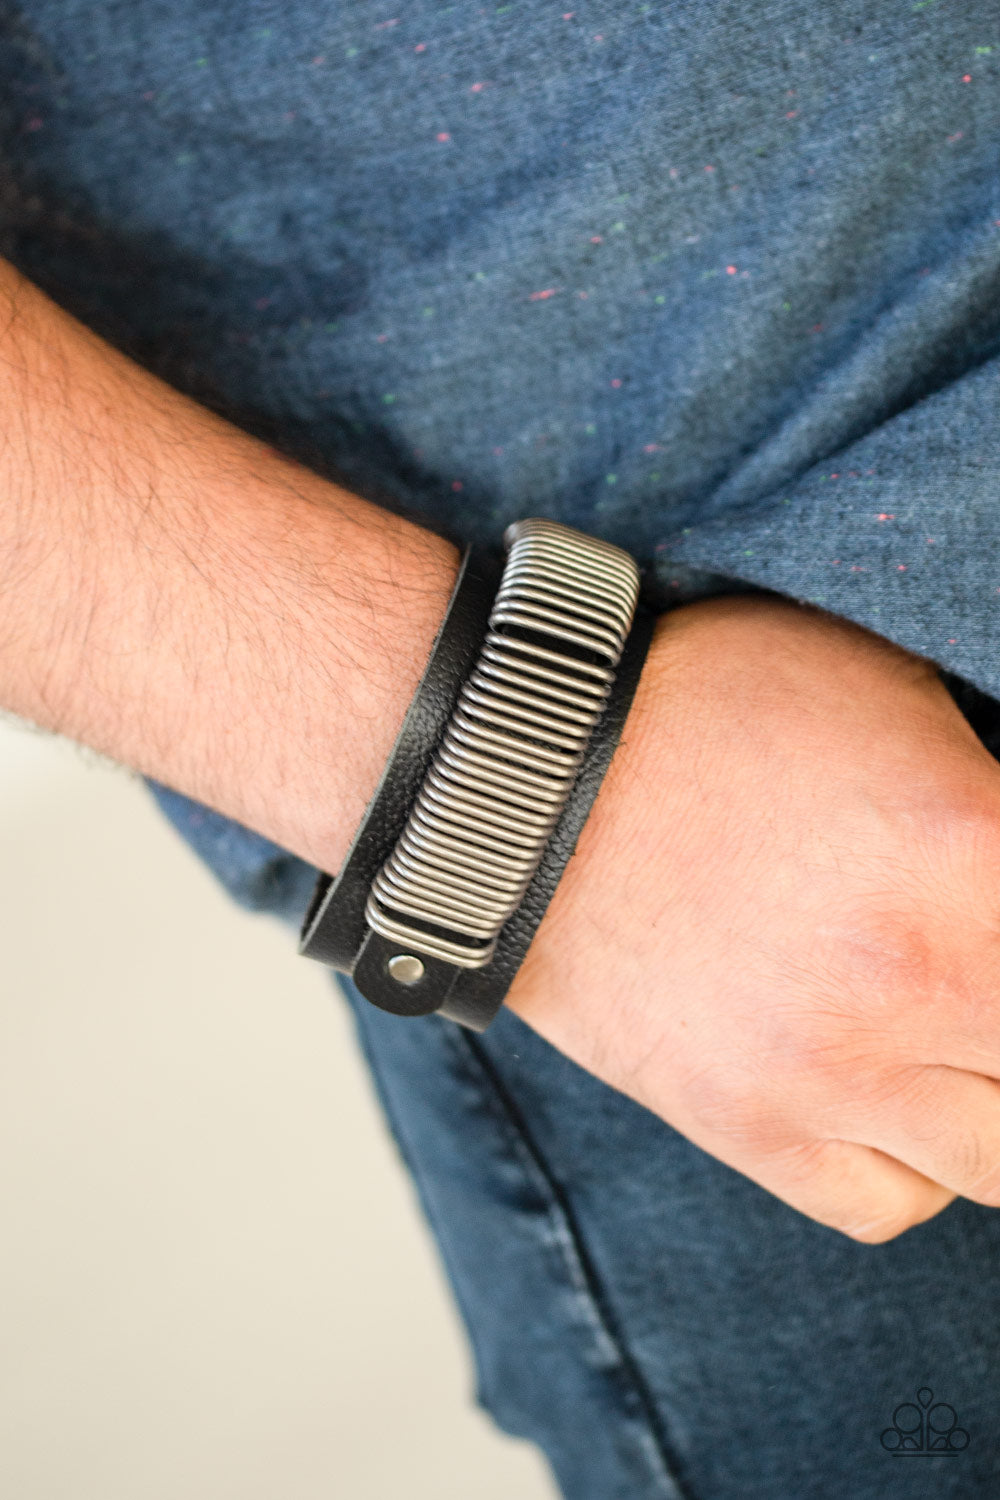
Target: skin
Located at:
point(779, 930)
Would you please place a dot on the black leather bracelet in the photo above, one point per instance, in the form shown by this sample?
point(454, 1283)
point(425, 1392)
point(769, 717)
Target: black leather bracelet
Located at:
point(491, 779)
point(334, 926)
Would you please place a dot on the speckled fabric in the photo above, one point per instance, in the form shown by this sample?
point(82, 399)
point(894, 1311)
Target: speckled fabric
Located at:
point(719, 282)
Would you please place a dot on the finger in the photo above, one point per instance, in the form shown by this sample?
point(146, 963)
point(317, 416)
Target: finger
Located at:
point(854, 1188)
point(943, 1123)
point(847, 1185)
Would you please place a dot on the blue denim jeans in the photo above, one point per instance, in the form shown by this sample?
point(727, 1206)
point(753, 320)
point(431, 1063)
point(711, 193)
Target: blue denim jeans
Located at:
point(660, 1326)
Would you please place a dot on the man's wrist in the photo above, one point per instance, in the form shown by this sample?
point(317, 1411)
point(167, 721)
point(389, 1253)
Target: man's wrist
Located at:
point(313, 648)
point(351, 665)
point(187, 601)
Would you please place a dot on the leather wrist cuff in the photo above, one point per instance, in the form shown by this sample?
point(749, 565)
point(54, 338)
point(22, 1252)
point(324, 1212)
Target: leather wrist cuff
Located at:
point(334, 927)
point(491, 779)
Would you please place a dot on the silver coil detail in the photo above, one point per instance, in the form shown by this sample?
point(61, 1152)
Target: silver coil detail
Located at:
point(512, 748)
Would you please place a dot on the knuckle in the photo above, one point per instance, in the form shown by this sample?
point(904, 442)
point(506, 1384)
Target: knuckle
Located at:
point(870, 1226)
point(960, 825)
point(856, 1218)
point(878, 1231)
point(981, 1175)
point(970, 1164)
point(896, 973)
point(844, 1196)
point(882, 1094)
point(886, 952)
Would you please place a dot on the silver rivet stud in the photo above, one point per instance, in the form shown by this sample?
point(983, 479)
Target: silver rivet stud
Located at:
point(405, 968)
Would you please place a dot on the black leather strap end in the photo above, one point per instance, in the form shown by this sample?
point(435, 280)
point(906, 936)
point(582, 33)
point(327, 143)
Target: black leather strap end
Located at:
point(372, 977)
point(334, 927)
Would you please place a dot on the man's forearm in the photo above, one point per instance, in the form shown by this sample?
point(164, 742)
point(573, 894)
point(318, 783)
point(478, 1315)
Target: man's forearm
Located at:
point(180, 597)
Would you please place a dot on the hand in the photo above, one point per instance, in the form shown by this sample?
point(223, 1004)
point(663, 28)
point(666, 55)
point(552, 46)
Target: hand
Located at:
point(780, 930)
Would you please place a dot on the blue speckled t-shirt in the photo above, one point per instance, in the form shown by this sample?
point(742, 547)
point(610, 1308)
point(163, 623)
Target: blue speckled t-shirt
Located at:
point(717, 281)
